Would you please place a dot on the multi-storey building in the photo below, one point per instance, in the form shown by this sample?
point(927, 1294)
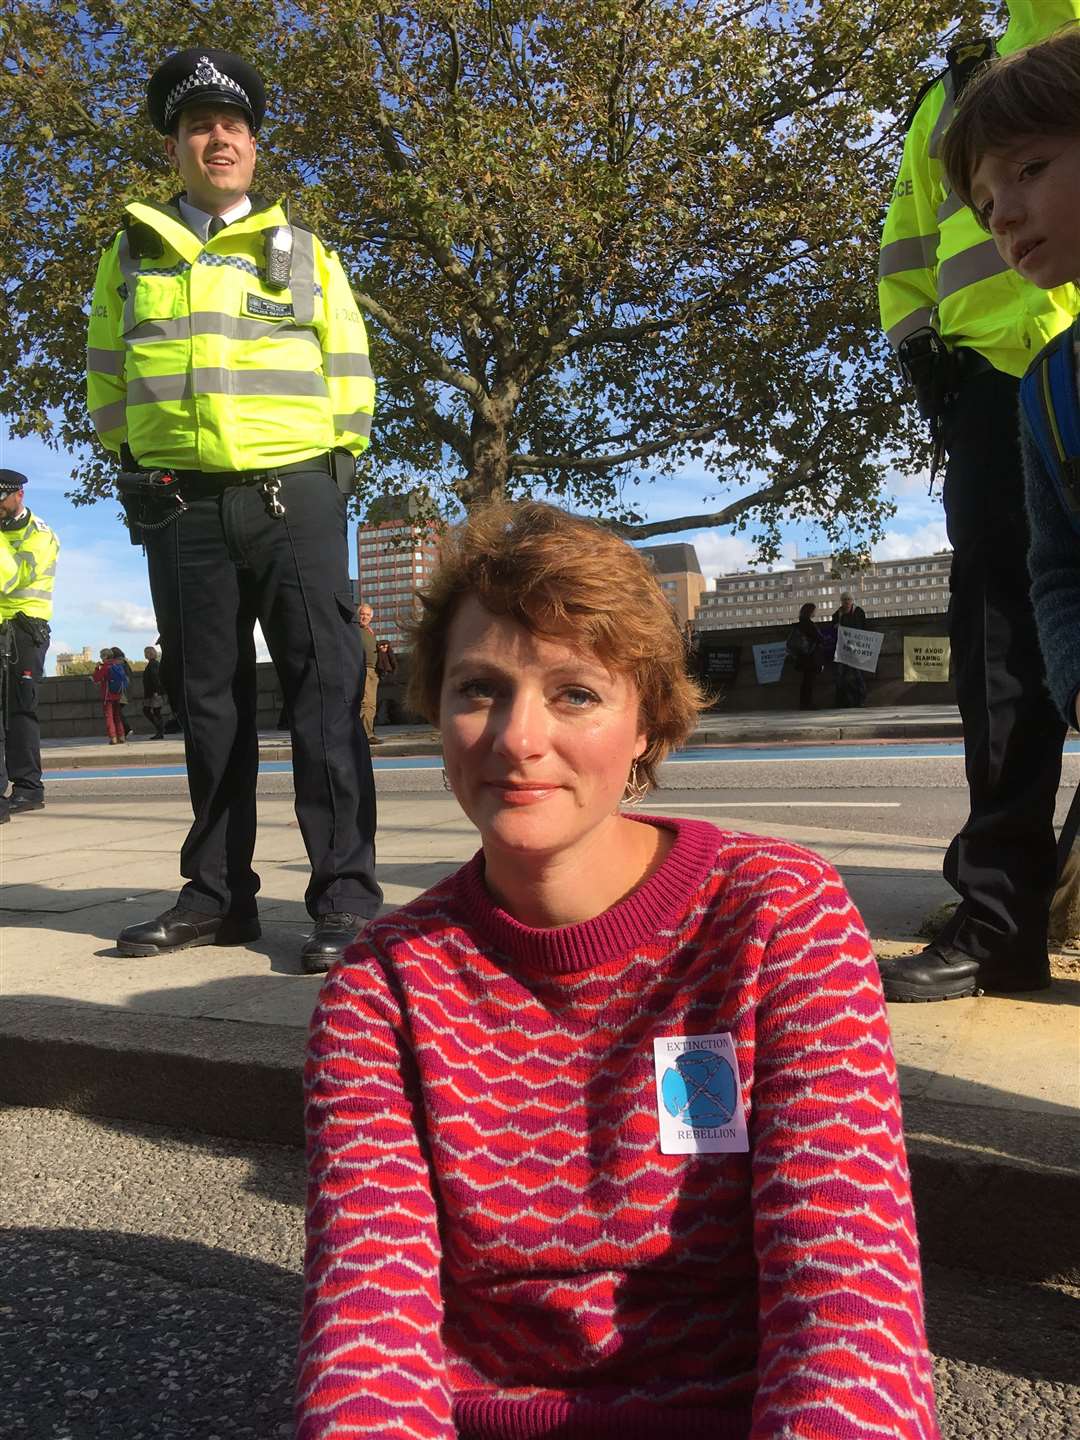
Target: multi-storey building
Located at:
point(680, 576)
point(395, 555)
point(746, 599)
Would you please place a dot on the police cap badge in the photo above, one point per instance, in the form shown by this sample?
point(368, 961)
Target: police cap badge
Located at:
point(204, 76)
point(11, 481)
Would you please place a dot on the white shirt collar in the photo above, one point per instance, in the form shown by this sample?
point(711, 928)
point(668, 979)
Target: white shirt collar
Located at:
point(199, 221)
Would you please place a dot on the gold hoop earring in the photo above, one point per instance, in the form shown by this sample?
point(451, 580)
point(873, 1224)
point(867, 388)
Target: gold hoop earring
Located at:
point(446, 782)
point(636, 789)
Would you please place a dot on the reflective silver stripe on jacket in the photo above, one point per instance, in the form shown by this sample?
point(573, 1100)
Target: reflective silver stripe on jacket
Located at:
point(302, 277)
point(917, 320)
point(28, 593)
point(948, 207)
point(980, 262)
point(358, 423)
point(104, 362)
point(347, 365)
point(213, 322)
point(129, 269)
point(918, 252)
point(212, 380)
point(947, 111)
point(109, 417)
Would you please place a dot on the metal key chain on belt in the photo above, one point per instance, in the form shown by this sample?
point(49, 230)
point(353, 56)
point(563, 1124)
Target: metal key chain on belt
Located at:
point(270, 490)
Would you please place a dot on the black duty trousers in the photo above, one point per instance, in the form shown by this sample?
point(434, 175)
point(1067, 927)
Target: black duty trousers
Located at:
point(1003, 861)
point(22, 765)
point(218, 568)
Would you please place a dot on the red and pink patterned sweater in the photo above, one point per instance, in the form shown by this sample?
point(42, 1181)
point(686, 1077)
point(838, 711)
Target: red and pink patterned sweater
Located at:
point(497, 1247)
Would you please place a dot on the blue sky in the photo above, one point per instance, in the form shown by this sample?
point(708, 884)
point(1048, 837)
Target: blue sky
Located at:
point(102, 596)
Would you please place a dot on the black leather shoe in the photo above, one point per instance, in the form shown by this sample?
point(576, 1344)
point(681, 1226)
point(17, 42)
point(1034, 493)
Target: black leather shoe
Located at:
point(332, 936)
point(180, 929)
point(941, 972)
point(5, 814)
point(21, 804)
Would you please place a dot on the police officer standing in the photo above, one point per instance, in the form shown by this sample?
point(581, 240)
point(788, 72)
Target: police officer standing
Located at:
point(228, 368)
point(966, 327)
point(28, 551)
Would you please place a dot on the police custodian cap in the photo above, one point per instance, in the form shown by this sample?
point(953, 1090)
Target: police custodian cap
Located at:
point(203, 76)
point(11, 481)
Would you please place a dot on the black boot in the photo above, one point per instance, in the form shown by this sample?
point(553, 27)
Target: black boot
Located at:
point(332, 936)
point(179, 929)
point(941, 972)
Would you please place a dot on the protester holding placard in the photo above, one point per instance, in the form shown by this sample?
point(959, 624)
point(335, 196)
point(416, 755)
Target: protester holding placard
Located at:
point(850, 686)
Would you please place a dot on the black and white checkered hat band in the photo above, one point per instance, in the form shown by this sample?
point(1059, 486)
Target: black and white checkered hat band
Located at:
point(205, 76)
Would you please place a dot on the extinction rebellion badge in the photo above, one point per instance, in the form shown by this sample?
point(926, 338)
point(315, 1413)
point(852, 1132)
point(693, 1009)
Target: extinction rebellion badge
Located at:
point(697, 1095)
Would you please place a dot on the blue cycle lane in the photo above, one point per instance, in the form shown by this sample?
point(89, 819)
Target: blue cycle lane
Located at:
point(697, 755)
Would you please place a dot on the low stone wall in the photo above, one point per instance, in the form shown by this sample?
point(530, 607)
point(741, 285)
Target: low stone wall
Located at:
point(887, 687)
point(69, 706)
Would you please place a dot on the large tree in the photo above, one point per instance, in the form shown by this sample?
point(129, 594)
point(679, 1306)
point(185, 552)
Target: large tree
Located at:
point(598, 241)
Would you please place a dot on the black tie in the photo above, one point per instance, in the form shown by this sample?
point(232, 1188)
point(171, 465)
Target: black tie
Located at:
point(216, 224)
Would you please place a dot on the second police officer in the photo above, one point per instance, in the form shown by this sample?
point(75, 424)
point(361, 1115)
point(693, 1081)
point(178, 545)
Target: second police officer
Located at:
point(966, 327)
point(228, 370)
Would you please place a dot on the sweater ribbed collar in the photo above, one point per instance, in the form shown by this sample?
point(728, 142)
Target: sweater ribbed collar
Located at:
point(659, 904)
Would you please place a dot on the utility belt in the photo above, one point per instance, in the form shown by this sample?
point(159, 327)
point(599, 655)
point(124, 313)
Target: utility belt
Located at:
point(154, 499)
point(937, 375)
point(33, 627)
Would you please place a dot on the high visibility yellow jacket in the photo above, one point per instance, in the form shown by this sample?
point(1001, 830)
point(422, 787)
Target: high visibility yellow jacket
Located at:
point(938, 266)
point(196, 363)
point(28, 569)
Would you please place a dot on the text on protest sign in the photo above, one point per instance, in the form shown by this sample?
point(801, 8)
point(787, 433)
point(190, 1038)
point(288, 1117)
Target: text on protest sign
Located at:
point(769, 662)
point(926, 658)
point(858, 649)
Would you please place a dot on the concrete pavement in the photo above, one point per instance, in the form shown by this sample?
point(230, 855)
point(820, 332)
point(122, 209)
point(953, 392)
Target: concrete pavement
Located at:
point(211, 1039)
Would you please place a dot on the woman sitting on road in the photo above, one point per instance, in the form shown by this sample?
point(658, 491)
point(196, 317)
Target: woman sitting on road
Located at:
point(603, 1130)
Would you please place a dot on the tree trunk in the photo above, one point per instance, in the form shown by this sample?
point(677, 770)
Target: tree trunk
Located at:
point(490, 468)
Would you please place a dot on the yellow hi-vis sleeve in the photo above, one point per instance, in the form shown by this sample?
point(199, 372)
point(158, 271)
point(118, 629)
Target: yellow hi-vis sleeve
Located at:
point(907, 267)
point(106, 389)
point(346, 363)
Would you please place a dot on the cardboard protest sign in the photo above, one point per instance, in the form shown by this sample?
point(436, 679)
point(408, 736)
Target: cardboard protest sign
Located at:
point(858, 648)
point(926, 658)
point(769, 662)
point(720, 662)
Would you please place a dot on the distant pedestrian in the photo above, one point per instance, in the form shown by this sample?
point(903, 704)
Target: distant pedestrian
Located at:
point(365, 615)
point(110, 679)
point(151, 689)
point(388, 704)
point(129, 675)
point(850, 684)
point(805, 647)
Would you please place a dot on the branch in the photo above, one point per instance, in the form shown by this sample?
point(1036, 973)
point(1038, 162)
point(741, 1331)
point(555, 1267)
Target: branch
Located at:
point(538, 464)
point(620, 334)
point(438, 368)
point(774, 493)
point(443, 256)
point(442, 428)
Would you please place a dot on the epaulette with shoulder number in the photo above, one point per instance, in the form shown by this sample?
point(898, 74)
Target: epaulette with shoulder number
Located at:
point(1051, 403)
point(962, 62)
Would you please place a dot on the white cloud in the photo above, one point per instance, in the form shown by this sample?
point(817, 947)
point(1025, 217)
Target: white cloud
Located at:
point(718, 552)
point(132, 618)
point(903, 544)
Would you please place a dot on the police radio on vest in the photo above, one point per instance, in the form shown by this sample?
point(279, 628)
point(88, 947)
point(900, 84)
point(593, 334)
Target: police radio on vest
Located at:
point(279, 246)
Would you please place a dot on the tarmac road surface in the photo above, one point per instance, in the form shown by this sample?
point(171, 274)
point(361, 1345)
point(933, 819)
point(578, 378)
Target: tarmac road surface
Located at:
point(150, 1291)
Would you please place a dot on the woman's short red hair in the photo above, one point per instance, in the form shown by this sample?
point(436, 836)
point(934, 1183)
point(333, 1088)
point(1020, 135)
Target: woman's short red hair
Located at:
point(565, 578)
